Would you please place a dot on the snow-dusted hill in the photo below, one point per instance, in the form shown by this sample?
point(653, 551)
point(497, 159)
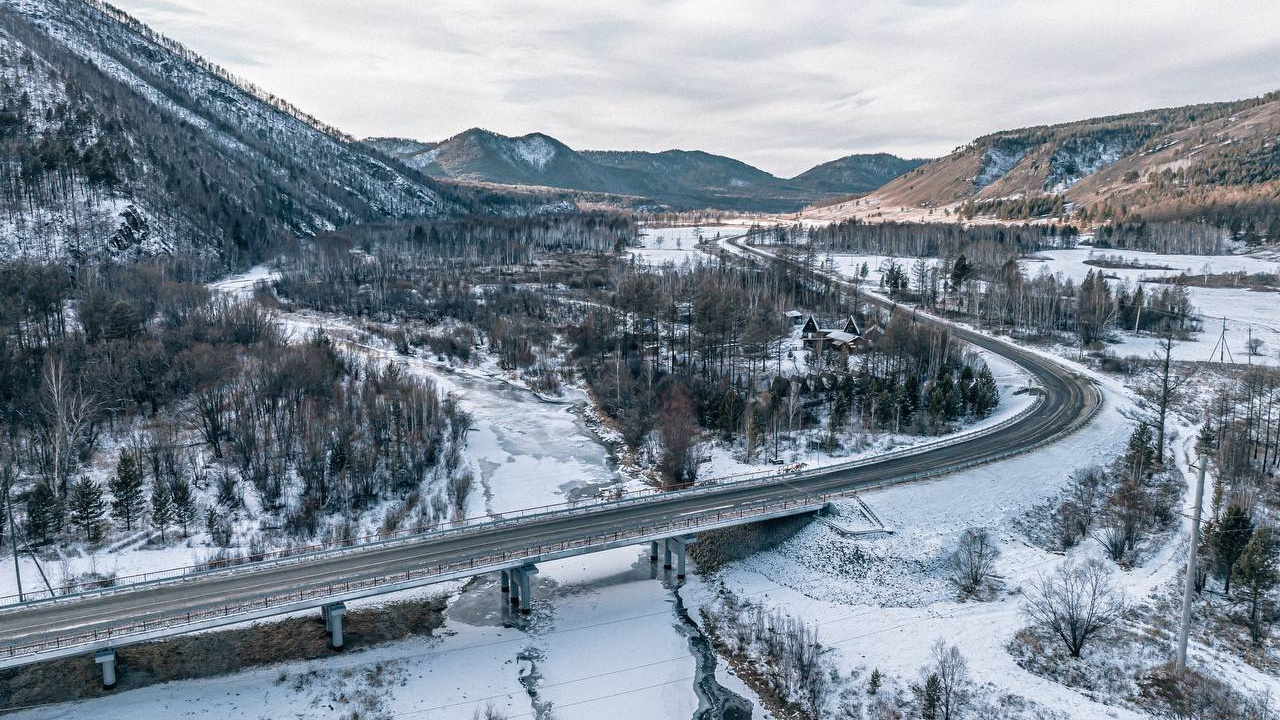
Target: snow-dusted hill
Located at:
point(121, 142)
point(679, 178)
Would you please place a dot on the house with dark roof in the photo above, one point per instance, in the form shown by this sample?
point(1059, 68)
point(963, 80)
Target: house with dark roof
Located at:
point(817, 338)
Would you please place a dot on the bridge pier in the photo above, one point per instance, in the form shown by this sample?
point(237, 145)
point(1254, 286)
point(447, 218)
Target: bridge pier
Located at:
point(521, 587)
point(332, 614)
point(677, 547)
point(107, 659)
point(505, 582)
point(653, 552)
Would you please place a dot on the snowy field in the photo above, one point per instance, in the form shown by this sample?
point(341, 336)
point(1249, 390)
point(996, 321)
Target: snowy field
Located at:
point(678, 245)
point(605, 639)
point(1244, 310)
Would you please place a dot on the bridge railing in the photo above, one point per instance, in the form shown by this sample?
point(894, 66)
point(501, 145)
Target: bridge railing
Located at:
point(473, 565)
point(265, 560)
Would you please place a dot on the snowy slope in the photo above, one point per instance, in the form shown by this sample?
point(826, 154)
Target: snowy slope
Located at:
point(197, 149)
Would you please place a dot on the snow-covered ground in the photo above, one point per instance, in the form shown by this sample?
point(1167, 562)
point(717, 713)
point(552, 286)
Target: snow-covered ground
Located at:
point(604, 641)
point(880, 601)
point(1244, 310)
point(678, 245)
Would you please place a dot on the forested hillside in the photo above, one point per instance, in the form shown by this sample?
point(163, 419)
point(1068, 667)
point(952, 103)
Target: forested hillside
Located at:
point(1214, 162)
point(119, 142)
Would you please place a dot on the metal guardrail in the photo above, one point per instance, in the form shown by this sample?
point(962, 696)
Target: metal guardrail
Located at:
point(480, 563)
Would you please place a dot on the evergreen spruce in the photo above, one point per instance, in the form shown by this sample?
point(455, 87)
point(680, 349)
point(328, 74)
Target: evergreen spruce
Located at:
point(986, 394)
point(44, 515)
point(930, 697)
point(162, 512)
point(1229, 540)
point(184, 504)
point(88, 508)
point(127, 490)
point(1256, 575)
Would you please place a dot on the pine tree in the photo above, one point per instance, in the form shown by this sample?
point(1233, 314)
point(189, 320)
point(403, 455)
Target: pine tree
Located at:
point(127, 490)
point(986, 394)
point(161, 507)
point(44, 515)
point(1256, 575)
point(1229, 541)
point(1140, 456)
point(184, 504)
point(873, 684)
point(930, 696)
point(88, 508)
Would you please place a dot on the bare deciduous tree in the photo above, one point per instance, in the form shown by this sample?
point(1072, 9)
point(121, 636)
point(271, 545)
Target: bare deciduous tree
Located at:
point(69, 414)
point(973, 561)
point(1075, 603)
point(951, 669)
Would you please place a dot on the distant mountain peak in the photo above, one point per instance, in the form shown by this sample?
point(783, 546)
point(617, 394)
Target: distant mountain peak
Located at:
point(680, 178)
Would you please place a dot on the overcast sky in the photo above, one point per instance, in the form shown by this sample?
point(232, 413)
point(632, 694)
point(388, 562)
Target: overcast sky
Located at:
point(781, 85)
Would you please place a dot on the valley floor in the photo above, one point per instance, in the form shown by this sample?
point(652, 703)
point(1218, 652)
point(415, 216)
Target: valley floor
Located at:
point(606, 638)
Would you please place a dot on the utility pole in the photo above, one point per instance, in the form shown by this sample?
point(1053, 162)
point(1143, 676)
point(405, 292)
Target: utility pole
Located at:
point(1221, 346)
point(13, 536)
point(1189, 587)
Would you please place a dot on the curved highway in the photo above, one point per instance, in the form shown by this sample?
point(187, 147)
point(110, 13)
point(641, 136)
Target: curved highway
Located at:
point(49, 628)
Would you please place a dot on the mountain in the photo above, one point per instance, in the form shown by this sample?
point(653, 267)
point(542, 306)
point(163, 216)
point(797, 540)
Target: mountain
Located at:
point(855, 173)
point(120, 142)
point(1173, 163)
point(483, 156)
point(682, 179)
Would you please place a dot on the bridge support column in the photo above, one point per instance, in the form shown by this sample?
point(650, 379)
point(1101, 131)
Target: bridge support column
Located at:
point(522, 587)
point(653, 552)
point(107, 659)
point(506, 582)
point(332, 614)
point(677, 547)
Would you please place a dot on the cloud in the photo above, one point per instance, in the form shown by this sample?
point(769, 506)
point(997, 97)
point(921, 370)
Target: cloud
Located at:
point(782, 86)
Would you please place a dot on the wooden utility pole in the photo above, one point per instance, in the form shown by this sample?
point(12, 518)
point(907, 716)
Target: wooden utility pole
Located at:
point(1189, 587)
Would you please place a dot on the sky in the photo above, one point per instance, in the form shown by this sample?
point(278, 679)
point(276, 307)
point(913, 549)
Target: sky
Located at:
point(783, 86)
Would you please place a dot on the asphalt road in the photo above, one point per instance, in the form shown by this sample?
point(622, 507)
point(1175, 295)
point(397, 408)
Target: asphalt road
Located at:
point(1069, 400)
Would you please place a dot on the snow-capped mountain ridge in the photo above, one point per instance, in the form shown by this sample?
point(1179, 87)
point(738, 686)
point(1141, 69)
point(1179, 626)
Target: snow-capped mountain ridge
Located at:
point(206, 161)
